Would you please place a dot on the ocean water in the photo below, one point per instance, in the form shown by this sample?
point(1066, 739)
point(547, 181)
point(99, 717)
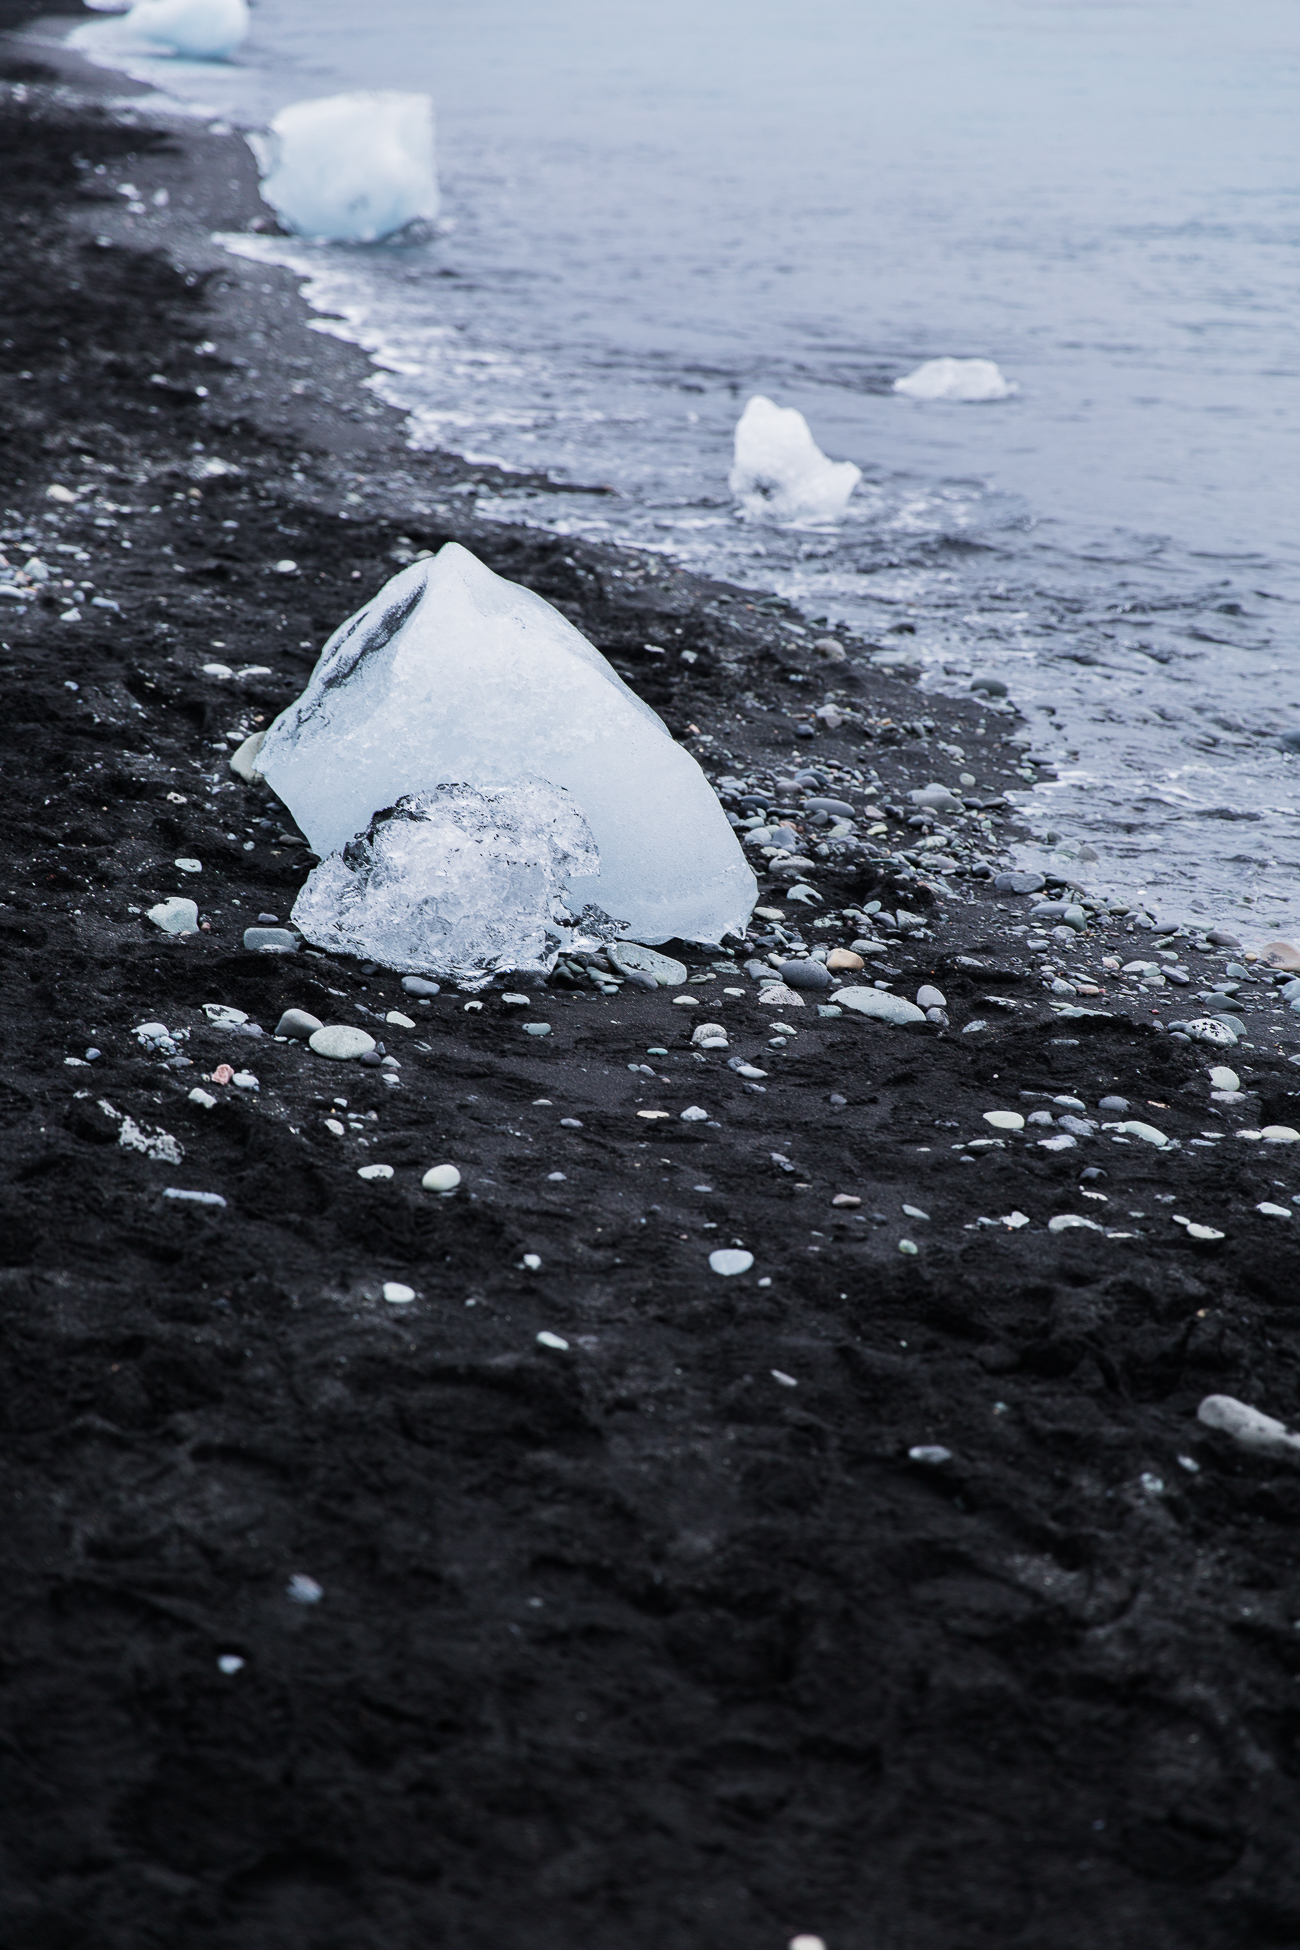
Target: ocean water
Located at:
point(651, 214)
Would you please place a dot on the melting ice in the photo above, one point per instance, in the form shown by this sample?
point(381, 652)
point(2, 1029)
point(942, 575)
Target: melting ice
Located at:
point(959, 379)
point(452, 677)
point(781, 472)
point(351, 168)
point(197, 30)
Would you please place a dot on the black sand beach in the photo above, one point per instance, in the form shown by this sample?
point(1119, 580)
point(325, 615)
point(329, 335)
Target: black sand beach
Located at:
point(662, 1637)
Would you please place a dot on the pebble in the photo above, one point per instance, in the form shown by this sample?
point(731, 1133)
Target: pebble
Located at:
point(441, 1178)
point(223, 1074)
point(1279, 1134)
point(398, 1020)
point(531, 1262)
point(1272, 1211)
point(341, 1042)
point(686, 1001)
point(556, 1178)
point(1019, 883)
point(930, 1453)
point(1078, 1126)
point(175, 916)
point(1134, 1127)
point(805, 975)
point(333, 1124)
point(398, 1295)
point(844, 960)
point(270, 941)
point(1063, 1143)
point(845, 1198)
point(416, 985)
point(223, 1015)
point(230, 1663)
point(748, 1070)
point(372, 1173)
point(245, 1080)
point(1119, 1105)
point(729, 1259)
point(1221, 1078)
point(709, 1035)
point(630, 958)
point(1250, 1427)
point(298, 1025)
point(570, 1123)
point(1070, 1221)
point(1004, 1120)
point(243, 763)
point(537, 1028)
point(881, 1006)
point(301, 1590)
point(203, 1098)
point(908, 1246)
point(929, 997)
point(507, 1002)
point(188, 866)
point(557, 1341)
point(268, 920)
point(786, 1380)
point(988, 686)
point(194, 1198)
point(694, 1115)
point(782, 997)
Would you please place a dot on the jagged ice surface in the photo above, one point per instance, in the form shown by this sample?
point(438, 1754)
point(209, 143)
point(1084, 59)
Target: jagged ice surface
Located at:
point(959, 379)
point(199, 30)
point(781, 472)
point(451, 673)
point(351, 168)
point(462, 881)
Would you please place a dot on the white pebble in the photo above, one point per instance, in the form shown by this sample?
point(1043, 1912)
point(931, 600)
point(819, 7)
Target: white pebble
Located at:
point(786, 1380)
point(303, 1590)
point(1014, 1220)
point(1068, 1221)
point(1203, 1232)
point(930, 1452)
point(245, 1080)
point(727, 1260)
point(1249, 1426)
point(1063, 1142)
point(230, 1662)
point(1222, 1078)
point(556, 1178)
point(915, 1212)
point(1004, 1120)
point(694, 1115)
point(929, 997)
point(341, 1041)
point(398, 1295)
point(194, 1198)
point(441, 1178)
point(1274, 1211)
point(372, 1172)
point(402, 1022)
point(532, 1261)
point(332, 1124)
point(686, 1001)
point(908, 1246)
point(203, 1097)
point(1279, 1134)
point(557, 1341)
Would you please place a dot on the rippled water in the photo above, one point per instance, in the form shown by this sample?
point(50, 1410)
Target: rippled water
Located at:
point(650, 216)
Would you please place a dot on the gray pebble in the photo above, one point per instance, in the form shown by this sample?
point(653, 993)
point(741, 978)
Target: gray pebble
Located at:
point(805, 975)
point(270, 941)
point(268, 920)
point(837, 808)
point(298, 1024)
point(988, 686)
point(1119, 1105)
point(635, 978)
point(1019, 883)
point(416, 985)
point(884, 1007)
point(1078, 1126)
point(929, 997)
point(342, 1042)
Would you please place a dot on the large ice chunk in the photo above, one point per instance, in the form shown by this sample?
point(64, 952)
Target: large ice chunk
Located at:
point(781, 472)
point(198, 30)
point(452, 673)
point(960, 379)
point(351, 168)
point(463, 881)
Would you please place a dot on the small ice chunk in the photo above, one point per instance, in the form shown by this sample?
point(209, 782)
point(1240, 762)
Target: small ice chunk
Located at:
point(959, 379)
point(197, 30)
point(175, 916)
point(453, 674)
point(351, 168)
point(1249, 1426)
point(781, 472)
point(459, 881)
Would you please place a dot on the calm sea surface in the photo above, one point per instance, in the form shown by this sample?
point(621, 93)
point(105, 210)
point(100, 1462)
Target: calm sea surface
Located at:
point(651, 213)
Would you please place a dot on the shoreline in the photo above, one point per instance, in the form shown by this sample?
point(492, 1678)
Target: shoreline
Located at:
point(719, 1621)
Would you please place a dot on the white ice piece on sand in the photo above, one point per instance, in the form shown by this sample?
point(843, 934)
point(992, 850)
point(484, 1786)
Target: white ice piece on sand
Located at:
point(466, 881)
point(959, 379)
point(197, 30)
point(350, 168)
point(452, 675)
point(781, 472)
point(1249, 1426)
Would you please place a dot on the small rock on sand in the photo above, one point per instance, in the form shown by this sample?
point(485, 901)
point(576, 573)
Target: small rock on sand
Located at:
point(342, 1042)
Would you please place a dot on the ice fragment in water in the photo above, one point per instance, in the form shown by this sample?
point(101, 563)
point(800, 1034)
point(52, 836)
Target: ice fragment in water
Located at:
point(462, 881)
point(351, 168)
point(452, 674)
point(959, 379)
point(781, 472)
point(198, 30)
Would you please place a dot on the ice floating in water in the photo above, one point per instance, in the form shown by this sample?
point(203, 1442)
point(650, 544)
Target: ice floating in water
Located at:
point(466, 880)
point(960, 379)
point(781, 472)
point(351, 168)
point(198, 30)
point(453, 677)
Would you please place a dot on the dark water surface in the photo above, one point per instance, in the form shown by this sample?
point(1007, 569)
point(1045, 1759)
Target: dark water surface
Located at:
point(650, 214)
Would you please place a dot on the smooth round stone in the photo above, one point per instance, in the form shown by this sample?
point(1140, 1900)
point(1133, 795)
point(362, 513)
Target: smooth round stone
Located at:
point(1280, 954)
point(843, 961)
point(729, 1260)
point(270, 941)
point(709, 1035)
point(1019, 883)
point(694, 1115)
point(1272, 1211)
point(1279, 1134)
point(805, 974)
point(1221, 1078)
point(342, 1042)
point(1211, 1029)
point(537, 1029)
point(371, 1060)
point(1148, 1133)
point(373, 1173)
point(188, 866)
point(176, 916)
point(928, 997)
point(1004, 1120)
point(298, 1024)
point(935, 798)
point(988, 686)
point(638, 978)
point(629, 957)
point(416, 985)
point(835, 808)
point(880, 1006)
point(441, 1178)
point(398, 1295)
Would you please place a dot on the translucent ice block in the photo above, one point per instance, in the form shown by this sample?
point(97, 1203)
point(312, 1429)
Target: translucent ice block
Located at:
point(452, 673)
point(351, 168)
point(461, 881)
point(781, 472)
point(198, 30)
point(959, 379)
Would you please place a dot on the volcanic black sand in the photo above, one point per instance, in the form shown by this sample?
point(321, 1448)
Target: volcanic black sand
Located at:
point(661, 1638)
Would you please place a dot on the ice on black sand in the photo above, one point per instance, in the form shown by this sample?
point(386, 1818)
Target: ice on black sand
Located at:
point(351, 168)
point(454, 680)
